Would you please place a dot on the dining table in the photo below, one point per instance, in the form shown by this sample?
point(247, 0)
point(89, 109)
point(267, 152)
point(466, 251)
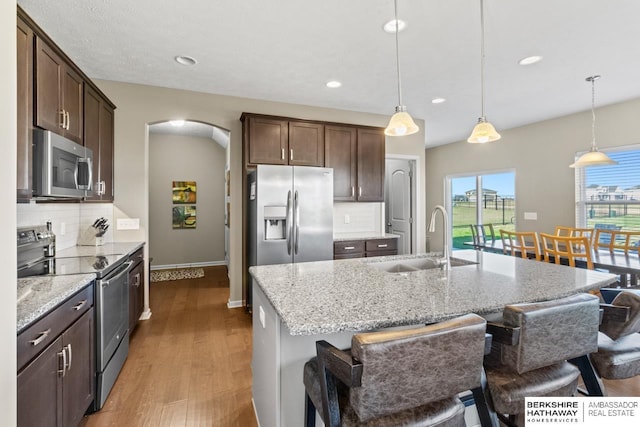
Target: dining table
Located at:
point(625, 265)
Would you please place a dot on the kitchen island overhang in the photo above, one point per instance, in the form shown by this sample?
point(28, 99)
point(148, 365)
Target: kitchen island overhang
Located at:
point(297, 304)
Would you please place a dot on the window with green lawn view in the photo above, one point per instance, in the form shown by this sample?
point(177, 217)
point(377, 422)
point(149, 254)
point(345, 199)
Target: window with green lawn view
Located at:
point(609, 196)
point(480, 199)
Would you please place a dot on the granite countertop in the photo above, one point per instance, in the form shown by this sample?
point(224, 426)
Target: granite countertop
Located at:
point(353, 295)
point(38, 295)
point(112, 248)
point(363, 236)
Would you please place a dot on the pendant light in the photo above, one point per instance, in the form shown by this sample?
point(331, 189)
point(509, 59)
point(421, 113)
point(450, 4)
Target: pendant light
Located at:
point(593, 157)
point(401, 122)
point(483, 131)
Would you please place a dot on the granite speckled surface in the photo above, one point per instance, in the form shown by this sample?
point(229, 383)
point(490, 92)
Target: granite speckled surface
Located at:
point(353, 295)
point(113, 248)
point(363, 236)
point(37, 295)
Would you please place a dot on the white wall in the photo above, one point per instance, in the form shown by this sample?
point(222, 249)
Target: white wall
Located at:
point(540, 154)
point(8, 290)
point(139, 105)
point(185, 158)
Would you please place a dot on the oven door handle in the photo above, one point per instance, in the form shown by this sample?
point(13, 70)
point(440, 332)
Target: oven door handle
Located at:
point(125, 270)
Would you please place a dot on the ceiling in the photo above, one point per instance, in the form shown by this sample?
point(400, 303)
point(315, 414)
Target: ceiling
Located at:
point(286, 50)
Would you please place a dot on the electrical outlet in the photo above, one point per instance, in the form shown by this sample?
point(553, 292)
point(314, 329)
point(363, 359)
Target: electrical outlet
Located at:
point(347, 219)
point(128, 223)
point(533, 216)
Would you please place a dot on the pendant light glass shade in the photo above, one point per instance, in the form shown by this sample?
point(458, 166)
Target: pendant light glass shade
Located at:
point(593, 157)
point(401, 123)
point(483, 131)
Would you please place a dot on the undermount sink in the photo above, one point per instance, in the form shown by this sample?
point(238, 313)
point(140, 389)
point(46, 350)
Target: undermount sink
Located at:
point(417, 264)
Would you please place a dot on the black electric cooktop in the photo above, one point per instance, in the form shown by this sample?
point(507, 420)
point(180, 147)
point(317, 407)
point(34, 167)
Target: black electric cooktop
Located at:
point(99, 265)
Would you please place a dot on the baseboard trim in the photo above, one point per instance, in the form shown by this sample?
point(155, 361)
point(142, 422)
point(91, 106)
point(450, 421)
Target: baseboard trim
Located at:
point(234, 304)
point(188, 265)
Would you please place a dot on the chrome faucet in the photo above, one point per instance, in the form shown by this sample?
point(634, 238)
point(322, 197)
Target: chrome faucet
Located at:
point(445, 233)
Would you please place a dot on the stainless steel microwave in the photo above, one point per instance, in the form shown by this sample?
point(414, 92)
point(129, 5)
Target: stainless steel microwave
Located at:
point(61, 168)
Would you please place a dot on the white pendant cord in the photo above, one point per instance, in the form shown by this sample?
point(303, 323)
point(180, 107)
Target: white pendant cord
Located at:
point(482, 56)
point(593, 112)
point(398, 54)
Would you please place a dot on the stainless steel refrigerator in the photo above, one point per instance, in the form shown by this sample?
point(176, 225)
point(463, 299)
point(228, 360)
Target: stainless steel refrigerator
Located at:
point(290, 216)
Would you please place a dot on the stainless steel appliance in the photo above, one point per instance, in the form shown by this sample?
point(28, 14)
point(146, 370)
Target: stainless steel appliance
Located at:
point(61, 168)
point(290, 216)
point(111, 299)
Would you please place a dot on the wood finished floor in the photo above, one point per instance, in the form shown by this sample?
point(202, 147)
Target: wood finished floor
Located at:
point(189, 364)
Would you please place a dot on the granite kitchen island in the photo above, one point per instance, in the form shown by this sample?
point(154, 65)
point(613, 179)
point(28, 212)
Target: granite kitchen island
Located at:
point(297, 304)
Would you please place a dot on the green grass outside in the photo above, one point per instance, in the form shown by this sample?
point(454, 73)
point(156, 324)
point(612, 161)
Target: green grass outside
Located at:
point(465, 214)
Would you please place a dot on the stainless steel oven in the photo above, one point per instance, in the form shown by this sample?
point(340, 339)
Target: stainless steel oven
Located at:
point(112, 323)
point(111, 298)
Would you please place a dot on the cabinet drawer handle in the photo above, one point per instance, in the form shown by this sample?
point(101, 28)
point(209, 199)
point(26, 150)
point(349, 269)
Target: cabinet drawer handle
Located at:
point(282, 151)
point(70, 357)
point(81, 304)
point(63, 353)
point(383, 246)
point(347, 248)
point(40, 337)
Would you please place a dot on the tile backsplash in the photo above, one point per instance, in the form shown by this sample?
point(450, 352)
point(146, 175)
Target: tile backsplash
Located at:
point(67, 219)
point(358, 218)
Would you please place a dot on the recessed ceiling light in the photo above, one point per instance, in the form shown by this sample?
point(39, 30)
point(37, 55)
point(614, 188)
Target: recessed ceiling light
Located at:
point(438, 100)
point(334, 84)
point(176, 123)
point(390, 27)
point(530, 60)
point(186, 60)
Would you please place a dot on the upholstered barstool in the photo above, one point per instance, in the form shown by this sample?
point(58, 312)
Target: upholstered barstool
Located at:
point(530, 350)
point(400, 377)
point(618, 354)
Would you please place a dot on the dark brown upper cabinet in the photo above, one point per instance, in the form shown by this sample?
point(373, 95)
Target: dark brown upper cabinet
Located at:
point(357, 158)
point(58, 93)
point(277, 141)
point(98, 136)
point(25, 41)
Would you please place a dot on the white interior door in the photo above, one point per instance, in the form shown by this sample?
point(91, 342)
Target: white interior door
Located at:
point(399, 202)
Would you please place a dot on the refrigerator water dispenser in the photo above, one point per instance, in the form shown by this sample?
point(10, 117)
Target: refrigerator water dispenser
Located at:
point(275, 222)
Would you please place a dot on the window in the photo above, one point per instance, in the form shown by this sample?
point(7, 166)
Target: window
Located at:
point(480, 199)
point(609, 196)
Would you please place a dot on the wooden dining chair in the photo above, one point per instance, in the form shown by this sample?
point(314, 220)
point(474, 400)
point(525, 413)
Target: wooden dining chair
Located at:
point(566, 248)
point(565, 231)
point(617, 240)
point(524, 243)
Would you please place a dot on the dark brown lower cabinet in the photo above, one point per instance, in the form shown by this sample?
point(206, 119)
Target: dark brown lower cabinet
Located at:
point(136, 289)
point(365, 248)
point(57, 387)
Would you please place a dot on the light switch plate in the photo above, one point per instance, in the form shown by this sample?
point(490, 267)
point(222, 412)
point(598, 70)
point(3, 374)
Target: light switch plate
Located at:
point(128, 223)
point(533, 216)
point(347, 219)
